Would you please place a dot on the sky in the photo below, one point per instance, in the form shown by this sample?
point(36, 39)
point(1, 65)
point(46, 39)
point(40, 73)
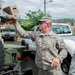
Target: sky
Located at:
point(58, 9)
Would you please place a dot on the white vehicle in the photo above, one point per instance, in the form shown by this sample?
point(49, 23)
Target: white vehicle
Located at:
point(9, 33)
point(64, 30)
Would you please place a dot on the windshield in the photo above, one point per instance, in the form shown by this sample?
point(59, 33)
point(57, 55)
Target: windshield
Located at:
point(8, 30)
point(60, 29)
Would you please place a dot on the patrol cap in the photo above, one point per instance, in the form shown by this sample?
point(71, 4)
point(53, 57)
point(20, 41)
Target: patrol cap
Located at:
point(46, 19)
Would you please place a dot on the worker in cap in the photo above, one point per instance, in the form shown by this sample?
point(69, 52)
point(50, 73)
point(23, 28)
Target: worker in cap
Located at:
point(3, 16)
point(48, 44)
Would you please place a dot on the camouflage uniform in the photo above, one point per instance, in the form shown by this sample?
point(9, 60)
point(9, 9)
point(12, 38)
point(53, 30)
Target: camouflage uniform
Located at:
point(47, 48)
point(72, 66)
point(3, 15)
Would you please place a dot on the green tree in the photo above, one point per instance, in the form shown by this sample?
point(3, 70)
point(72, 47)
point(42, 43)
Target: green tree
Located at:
point(65, 20)
point(33, 18)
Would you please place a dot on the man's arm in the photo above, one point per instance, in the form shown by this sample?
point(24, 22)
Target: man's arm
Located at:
point(62, 53)
point(5, 15)
point(24, 33)
point(62, 49)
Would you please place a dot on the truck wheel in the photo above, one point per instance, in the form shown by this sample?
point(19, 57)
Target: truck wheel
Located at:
point(1, 55)
point(65, 66)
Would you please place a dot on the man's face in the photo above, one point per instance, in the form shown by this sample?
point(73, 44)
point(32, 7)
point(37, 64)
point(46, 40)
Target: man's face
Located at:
point(43, 26)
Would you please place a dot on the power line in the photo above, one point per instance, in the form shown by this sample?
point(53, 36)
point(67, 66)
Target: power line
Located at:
point(45, 5)
point(40, 5)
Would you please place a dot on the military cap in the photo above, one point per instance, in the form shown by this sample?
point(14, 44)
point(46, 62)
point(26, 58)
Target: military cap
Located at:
point(45, 19)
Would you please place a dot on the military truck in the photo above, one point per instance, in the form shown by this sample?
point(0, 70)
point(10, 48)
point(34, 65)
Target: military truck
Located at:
point(10, 60)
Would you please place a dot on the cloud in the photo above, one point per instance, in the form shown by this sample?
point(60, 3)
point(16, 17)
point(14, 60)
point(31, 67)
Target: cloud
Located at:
point(57, 8)
point(8, 3)
point(62, 9)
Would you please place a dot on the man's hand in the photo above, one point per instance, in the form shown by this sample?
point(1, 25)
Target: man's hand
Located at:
point(55, 62)
point(14, 18)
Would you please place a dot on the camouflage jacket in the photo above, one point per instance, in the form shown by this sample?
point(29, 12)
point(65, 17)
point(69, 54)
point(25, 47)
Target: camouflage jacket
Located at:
point(47, 46)
point(3, 15)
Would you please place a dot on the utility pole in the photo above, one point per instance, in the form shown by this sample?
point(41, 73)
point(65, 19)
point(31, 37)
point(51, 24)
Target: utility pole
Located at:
point(0, 4)
point(45, 5)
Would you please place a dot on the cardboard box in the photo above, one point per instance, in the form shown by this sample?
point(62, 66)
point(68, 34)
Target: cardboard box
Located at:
point(12, 10)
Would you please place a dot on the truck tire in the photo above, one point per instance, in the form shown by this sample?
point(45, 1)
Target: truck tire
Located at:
point(1, 54)
point(65, 66)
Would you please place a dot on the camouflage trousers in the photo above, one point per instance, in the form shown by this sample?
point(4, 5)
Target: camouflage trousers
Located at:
point(72, 66)
point(56, 71)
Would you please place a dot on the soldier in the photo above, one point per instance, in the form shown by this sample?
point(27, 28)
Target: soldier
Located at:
point(72, 66)
point(3, 16)
point(50, 48)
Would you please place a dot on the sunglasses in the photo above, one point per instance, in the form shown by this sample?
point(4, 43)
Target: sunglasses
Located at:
point(42, 22)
